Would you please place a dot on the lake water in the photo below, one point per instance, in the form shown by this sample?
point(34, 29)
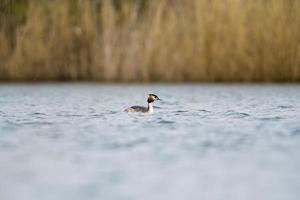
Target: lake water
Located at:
point(219, 142)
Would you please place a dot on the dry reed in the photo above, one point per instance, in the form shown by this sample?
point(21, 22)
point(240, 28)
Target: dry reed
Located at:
point(154, 40)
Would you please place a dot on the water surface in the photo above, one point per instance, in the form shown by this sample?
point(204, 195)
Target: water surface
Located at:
point(73, 142)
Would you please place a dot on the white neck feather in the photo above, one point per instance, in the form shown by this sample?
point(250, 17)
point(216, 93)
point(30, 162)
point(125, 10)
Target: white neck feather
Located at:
point(150, 107)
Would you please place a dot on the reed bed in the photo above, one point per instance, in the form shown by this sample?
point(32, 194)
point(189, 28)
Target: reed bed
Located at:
point(150, 40)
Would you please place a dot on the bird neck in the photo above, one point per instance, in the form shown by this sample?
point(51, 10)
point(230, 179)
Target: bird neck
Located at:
point(150, 107)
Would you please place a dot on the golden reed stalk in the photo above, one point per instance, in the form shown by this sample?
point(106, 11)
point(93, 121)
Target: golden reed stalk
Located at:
point(150, 40)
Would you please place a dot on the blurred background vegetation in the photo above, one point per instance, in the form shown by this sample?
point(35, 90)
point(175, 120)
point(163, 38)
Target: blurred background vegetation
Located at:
point(150, 40)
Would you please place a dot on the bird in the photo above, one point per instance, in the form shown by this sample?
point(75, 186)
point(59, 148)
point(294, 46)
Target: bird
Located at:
point(151, 98)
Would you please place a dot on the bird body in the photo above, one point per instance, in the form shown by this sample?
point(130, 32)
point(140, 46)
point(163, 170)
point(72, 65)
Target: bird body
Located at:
point(149, 109)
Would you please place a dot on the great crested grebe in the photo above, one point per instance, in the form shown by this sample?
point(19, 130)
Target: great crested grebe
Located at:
point(149, 109)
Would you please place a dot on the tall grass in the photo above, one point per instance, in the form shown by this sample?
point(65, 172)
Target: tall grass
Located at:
point(150, 40)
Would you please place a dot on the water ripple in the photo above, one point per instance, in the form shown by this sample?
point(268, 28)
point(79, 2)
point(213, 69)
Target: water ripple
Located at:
point(166, 122)
point(204, 111)
point(285, 106)
point(182, 111)
point(275, 118)
point(232, 113)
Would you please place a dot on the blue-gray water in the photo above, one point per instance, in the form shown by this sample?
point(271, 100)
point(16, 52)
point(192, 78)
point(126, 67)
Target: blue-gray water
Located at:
point(219, 142)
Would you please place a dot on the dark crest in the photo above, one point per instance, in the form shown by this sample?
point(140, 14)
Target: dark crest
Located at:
point(155, 96)
point(152, 97)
